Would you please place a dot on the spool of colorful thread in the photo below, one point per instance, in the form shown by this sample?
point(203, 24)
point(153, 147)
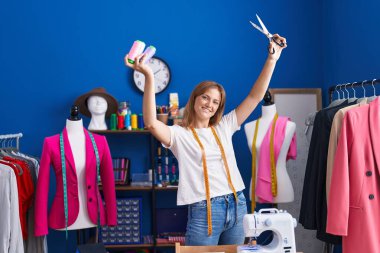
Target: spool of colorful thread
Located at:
point(149, 52)
point(120, 122)
point(136, 49)
point(140, 121)
point(134, 121)
point(127, 122)
point(113, 121)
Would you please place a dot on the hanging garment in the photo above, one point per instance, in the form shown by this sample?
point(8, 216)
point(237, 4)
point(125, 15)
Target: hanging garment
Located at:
point(51, 156)
point(313, 213)
point(333, 142)
point(34, 244)
point(354, 199)
point(25, 189)
point(264, 181)
point(10, 232)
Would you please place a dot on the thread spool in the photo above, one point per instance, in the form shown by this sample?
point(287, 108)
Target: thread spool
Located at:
point(136, 49)
point(140, 121)
point(149, 52)
point(127, 122)
point(113, 121)
point(134, 121)
point(120, 122)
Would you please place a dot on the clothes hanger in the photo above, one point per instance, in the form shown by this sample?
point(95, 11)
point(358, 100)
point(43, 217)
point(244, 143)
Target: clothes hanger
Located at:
point(3, 153)
point(9, 147)
point(354, 98)
point(2, 149)
point(10, 164)
point(364, 97)
point(370, 99)
point(339, 100)
point(348, 93)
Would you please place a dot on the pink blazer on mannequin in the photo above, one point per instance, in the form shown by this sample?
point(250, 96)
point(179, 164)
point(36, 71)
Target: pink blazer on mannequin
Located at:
point(354, 198)
point(51, 156)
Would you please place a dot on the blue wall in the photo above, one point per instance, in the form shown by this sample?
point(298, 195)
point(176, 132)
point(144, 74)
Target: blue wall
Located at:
point(351, 38)
point(53, 51)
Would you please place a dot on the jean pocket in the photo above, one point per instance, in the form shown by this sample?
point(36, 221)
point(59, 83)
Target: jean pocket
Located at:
point(241, 199)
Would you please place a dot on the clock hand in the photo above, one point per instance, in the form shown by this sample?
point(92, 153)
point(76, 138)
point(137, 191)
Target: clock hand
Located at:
point(157, 71)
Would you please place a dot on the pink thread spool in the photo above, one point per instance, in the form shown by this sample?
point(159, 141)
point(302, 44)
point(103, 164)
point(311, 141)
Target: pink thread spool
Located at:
point(149, 52)
point(137, 48)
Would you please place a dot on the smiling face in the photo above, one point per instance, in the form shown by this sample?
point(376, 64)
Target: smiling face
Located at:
point(207, 104)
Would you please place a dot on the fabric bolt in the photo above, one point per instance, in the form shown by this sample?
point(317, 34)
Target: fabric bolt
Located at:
point(333, 142)
point(51, 156)
point(227, 219)
point(191, 188)
point(263, 185)
point(25, 189)
point(10, 232)
point(354, 199)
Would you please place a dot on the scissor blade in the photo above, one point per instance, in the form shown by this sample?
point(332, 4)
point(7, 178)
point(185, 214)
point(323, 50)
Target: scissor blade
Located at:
point(263, 26)
point(257, 27)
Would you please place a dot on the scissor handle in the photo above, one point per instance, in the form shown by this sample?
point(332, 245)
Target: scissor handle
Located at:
point(281, 44)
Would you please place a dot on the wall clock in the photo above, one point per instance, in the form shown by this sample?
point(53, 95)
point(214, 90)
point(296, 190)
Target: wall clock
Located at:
point(161, 73)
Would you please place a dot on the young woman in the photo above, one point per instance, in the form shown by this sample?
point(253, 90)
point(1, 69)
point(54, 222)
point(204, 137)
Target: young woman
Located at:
point(210, 182)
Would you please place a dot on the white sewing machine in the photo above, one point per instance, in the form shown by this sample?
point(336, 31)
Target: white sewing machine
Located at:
point(280, 222)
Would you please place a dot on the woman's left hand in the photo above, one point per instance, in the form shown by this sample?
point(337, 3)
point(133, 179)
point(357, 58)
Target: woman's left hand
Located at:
point(274, 50)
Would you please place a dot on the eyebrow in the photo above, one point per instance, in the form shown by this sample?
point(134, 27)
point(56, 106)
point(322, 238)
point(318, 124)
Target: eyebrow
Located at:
point(215, 99)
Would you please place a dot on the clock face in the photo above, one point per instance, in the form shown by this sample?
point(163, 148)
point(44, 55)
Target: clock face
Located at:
point(161, 73)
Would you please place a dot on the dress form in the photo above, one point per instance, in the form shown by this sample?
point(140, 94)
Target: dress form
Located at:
point(285, 191)
point(77, 140)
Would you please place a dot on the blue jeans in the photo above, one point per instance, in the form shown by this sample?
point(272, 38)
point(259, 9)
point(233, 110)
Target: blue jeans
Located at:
point(227, 221)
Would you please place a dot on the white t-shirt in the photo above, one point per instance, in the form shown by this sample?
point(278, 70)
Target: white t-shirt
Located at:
point(191, 186)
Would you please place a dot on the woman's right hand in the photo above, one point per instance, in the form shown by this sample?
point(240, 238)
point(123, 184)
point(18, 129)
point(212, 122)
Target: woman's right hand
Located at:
point(139, 64)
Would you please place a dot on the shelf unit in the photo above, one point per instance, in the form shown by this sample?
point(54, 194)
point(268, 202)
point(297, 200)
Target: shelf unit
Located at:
point(152, 189)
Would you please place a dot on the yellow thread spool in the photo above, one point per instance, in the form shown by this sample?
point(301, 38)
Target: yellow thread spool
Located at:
point(134, 121)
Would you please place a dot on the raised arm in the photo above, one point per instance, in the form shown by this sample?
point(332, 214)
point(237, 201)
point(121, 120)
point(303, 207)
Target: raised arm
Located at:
point(156, 127)
point(261, 85)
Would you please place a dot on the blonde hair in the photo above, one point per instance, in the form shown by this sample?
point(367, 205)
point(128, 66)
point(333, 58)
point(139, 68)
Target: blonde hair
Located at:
point(201, 88)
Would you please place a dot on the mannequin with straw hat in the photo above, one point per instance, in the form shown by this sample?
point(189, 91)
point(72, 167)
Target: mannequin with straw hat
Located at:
point(97, 104)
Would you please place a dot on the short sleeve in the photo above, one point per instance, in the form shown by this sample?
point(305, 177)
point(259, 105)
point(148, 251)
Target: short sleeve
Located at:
point(174, 135)
point(229, 122)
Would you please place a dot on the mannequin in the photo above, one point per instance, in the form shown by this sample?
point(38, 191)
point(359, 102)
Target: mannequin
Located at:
point(77, 203)
point(97, 106)
point(285, 192)
point(75, 133)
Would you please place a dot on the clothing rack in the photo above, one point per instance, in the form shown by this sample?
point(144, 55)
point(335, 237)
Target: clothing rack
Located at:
point(11, 136)
point(345, 87)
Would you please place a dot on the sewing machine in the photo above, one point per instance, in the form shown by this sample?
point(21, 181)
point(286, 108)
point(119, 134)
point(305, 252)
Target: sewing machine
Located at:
point(280, 222)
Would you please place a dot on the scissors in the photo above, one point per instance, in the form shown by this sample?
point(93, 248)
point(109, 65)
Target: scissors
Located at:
point(265, 31)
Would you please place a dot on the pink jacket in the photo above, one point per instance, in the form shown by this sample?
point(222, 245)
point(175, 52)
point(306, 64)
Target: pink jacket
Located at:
point(354, 199)
point(51, 156)
point(263, 186)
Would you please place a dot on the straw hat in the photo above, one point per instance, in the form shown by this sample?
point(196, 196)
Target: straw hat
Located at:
point(101, 92)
